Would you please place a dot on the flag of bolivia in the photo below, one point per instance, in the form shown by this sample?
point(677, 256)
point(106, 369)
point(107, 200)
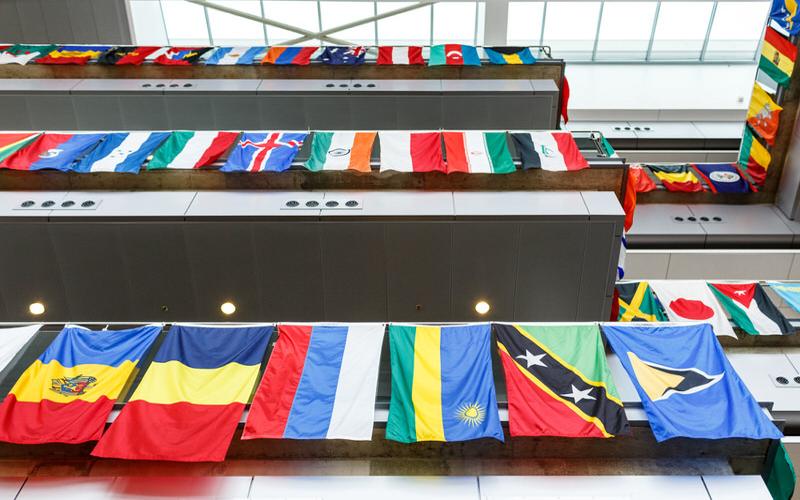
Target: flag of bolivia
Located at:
point(558, 382)
point(777, 57)
point(442, 384)
point(754, 157)
point(763, 114)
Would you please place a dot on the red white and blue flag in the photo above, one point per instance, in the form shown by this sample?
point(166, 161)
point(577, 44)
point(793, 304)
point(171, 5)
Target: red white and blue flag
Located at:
point(264, 152)
point(343, 56)
point(55, 151)
point(320, 383)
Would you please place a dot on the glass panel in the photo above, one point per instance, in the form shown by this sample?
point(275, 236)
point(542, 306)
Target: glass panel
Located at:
point(736, 31)
point(148, 26)
point(300, 13)
point(454, 22)
point(481, 21)
point(186, 23)
point(570, 28)
point(681, 30)
point(410, 28)
point(227, 29)
point(625, 30)
point(525, 22)
point(337, 13)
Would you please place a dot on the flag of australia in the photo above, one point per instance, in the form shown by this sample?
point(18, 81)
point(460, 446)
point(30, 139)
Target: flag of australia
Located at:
point(264, 152)
point(348, 56)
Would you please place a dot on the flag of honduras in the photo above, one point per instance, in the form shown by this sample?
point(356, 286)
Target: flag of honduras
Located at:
point(320, 383)
point(264, 151)
point(121, 152)
point(229, 56)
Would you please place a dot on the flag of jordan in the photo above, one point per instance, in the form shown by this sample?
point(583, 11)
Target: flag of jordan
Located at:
point(691, 300)
point(687, 385)
point(751, 309)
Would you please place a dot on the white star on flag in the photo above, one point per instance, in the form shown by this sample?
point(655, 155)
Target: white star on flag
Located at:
point(532, 360)
point(579, 396)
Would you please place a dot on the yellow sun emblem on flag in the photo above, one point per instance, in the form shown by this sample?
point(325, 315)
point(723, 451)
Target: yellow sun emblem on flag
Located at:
point(471, 414)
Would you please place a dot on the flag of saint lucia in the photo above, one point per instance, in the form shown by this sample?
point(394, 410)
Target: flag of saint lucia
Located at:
point(442, 385)
point(687, 385)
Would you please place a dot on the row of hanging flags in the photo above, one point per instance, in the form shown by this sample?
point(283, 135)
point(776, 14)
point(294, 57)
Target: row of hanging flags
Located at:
point(320, 382)
point(694, 177)
point(746, 303)
point(435, 55)
point(404, 151)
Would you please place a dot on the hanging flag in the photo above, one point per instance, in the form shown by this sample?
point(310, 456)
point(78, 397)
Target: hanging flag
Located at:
point(23, 54)
point(341, 151)
point(754, 157)
point(400, 55)
point(121, 152)
point(677, 177)
point(320, 383)
point(623, 250)
point(411, 151)
point(687, 385)
point(13, 340)
point(296, 56)
point(343, 56)
point(789, 292)
point(477, 153)
point(558, 381)
point(453, 54)
point(691, 300)
point(778, 473)
point(509, 55)
point(12, 142)
point(642, 181)
point(723, 177)
point(565, 100)
point(65, 396)
point(763, 114)
point(230, 56)
point(56, 151)
point(553, 151)
point(637, 303)
point(784, 13)
point(777, 57)
point(442, 384)
point(750, 308)
point(264, 152)
point(181, 56)
point(122, 56)
point(187, 150)
point(190, 400)
point(73, 54)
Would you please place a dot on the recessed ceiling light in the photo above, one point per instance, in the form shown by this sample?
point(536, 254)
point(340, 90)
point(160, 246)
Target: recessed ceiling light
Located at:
point(227, 308)
point(36, 308)
point(482, 307)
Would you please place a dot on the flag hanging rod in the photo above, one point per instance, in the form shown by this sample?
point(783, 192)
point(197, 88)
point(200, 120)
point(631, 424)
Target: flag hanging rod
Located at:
point(269, 22)
point(353, 24)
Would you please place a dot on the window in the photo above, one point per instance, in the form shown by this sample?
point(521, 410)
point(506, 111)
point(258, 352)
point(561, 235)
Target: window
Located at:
point(409, 28)
point(148, 25)
point(681, 30)
point(185, 22)
point(454, 22)
point(337, 13)
point(570, 28)
point(299, 13)
point(736, 31)
point(625, 30)
point(227, 29)
point(525, 23)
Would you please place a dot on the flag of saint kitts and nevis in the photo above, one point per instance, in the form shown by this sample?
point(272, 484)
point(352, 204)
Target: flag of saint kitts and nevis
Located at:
point(264, 152)
point(405, 151)
point(341, 151)
point(295, 56)
point(453, 54)
point(553, 151)
point(442, 384)
point(66, 395)
point(558, 381)
point(778, 56)
point(754, 157)
point(751, 309)
point(509, 55)
point(187, 149)
point(477, 152)
point(12, 142)
point(192, 396)
point(121, 56)
point(636, 302)
point(399, 55)
point(320, 383)
point(51, 151)
point(73, 54)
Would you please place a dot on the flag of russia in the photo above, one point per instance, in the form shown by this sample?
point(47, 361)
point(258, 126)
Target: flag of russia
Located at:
point(320, 383)
point(56, 151)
